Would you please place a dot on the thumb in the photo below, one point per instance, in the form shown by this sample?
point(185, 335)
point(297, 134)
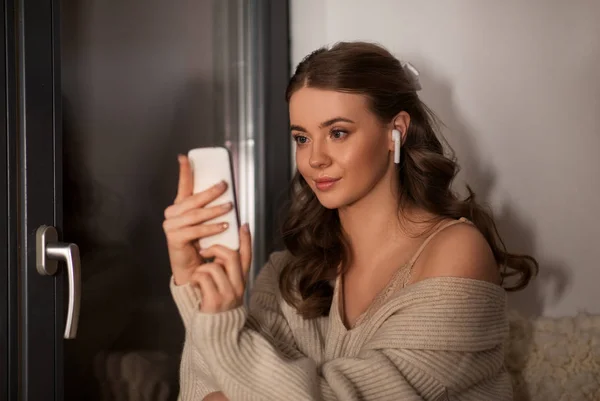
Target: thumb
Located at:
point(245, 249)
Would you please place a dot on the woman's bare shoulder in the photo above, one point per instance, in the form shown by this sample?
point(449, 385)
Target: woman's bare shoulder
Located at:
point(458, 251)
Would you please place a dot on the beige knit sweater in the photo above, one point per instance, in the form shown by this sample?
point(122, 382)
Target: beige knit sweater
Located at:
point(438, 339)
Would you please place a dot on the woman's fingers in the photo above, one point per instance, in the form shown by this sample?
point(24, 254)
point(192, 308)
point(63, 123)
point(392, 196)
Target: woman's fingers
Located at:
point(222, 281)
point(196, 216)
point(219, 277)
point(186, 181)
point(217, 291)
point(245, 250)
point(184, 236)
point(231, 263)
point(208, 289)
point(195, 201)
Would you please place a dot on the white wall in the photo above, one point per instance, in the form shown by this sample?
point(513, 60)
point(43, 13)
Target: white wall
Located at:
point(518, 85)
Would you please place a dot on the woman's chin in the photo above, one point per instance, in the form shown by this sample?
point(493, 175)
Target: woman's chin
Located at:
point(330, 202)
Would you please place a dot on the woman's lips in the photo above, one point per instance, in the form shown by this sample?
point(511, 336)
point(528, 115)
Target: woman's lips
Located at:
point(324, 184)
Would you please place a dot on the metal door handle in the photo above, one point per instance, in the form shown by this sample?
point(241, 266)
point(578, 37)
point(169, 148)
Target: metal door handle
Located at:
point(48, 252)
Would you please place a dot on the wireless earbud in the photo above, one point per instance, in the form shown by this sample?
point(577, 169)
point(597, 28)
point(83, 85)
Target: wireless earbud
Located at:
point(397, 138)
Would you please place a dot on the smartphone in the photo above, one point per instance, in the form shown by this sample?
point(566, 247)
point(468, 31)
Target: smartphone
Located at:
point(211, 166)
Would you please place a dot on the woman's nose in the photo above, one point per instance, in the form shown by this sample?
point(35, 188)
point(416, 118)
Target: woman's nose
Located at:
point(319, 157)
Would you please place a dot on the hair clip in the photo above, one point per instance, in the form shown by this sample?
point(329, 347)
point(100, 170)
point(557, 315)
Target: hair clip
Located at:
point(413, 74)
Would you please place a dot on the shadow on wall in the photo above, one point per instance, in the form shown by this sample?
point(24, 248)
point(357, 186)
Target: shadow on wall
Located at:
point(513, 227)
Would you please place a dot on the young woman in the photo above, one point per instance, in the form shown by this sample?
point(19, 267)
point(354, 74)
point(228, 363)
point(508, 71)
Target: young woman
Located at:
point(390, 287)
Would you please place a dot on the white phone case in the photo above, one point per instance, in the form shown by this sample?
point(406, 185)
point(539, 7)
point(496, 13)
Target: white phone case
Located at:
point(210, 166)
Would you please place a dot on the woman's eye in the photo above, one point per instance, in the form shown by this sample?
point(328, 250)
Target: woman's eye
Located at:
point(300, 140)
point(338, 134)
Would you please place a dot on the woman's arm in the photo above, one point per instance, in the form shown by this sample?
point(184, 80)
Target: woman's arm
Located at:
point(266, 318)
point(187, 221)
point(195, 380)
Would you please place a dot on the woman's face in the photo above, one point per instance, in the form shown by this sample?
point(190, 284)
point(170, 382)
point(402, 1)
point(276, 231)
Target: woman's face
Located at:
point(342, 148)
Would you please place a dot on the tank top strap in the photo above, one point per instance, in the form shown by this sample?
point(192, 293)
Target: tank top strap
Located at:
point(432, 235)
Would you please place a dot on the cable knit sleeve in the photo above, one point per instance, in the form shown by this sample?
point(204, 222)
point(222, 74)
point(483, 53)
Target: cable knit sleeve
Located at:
point(196, 381)
point(439, 340)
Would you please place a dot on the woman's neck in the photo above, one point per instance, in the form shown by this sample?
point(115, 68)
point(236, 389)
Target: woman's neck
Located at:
point(373, 222)
point(376, 226)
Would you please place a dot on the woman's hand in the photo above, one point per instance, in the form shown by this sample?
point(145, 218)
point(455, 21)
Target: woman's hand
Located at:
point(223, 281)
point(185, 223)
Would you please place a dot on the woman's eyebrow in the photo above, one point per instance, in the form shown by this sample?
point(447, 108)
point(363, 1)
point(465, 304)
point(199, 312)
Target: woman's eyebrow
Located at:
point(324, 124)
point(335, 120)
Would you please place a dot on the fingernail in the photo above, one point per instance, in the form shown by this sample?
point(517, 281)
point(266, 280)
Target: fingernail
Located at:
point(226, 206)
point(224, 226)
point(180, 158)
point(221, 185)
point(246, 228)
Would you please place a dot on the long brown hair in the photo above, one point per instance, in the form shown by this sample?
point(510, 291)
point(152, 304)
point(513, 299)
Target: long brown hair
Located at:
point(313, 234)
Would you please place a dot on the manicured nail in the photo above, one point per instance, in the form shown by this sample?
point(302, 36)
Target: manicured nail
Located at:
point(224, 226)
point(246, 228)
point(226, 206)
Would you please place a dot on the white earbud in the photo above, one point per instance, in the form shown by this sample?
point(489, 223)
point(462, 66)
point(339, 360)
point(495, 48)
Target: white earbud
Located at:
point(397, 138)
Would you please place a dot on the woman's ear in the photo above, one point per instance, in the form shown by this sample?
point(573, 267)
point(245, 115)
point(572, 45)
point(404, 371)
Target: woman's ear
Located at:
point(401, 123)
